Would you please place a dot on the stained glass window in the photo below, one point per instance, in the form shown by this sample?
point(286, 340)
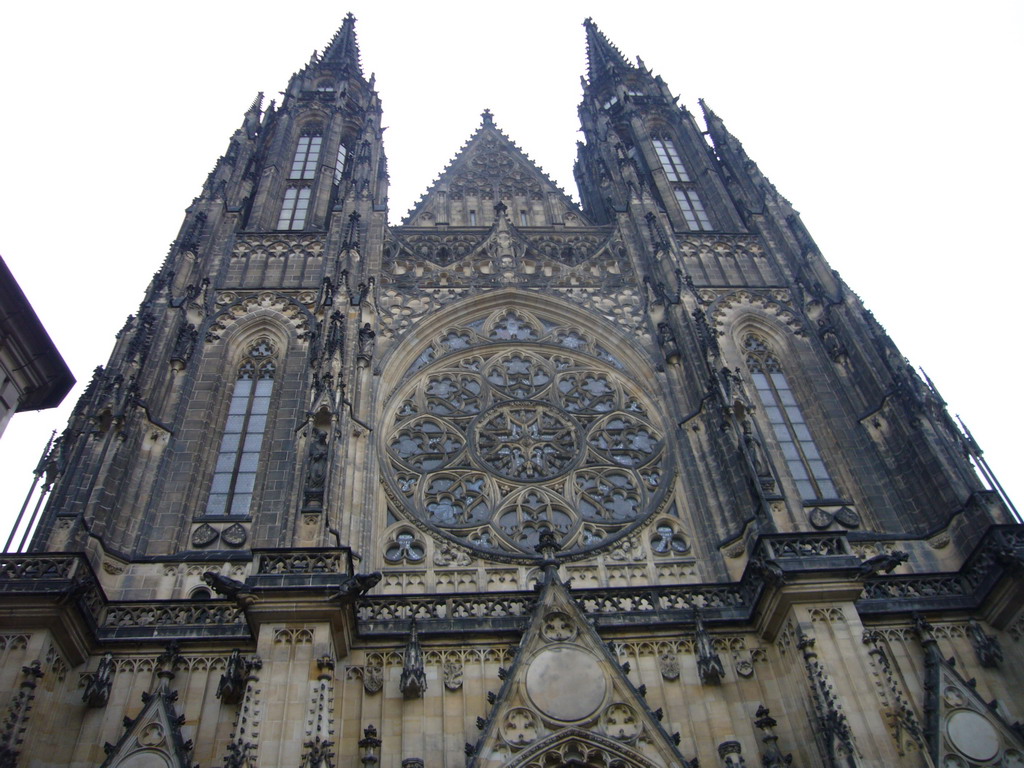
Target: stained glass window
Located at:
point(693, 209)
point(669, 159)
point(307, 154)
point(798, 448)
point(294, 208)
point(234, 477)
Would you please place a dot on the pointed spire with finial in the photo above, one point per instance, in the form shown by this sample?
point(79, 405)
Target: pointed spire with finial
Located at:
point(251, 121)
point(746, 171)
point(413, 681)
point(343, 48)
point(716, 127)
point(257, 103)
point(601, 54)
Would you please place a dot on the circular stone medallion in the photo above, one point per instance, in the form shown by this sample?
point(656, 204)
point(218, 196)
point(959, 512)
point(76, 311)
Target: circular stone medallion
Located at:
point(526, 440)
point(566, 683)
point(972, 735)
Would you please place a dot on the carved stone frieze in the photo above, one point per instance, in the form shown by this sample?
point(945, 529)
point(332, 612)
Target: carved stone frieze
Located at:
point(35, 567)
point(298, 561)
point(546, 254)
point(621, 304)
point(431, 246)
point(775, 301)
point(233, 305)
point(641, 602)
point(400, 308)
point(174, 614)
point(278, 245)
point(13, 642)
point(721, 246)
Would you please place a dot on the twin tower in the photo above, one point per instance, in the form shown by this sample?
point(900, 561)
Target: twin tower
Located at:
point(630, 483)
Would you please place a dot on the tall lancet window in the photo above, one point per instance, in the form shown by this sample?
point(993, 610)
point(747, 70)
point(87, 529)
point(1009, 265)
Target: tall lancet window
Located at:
point(307, 154)
point(238, 458)
point(294, 208)
point(693, 210)
point(669, 159)
point(690, 204)
point(798, 448)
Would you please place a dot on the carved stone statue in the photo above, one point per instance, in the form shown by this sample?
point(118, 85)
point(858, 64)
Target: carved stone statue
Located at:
point(755, 449)
point(184, 343)
point(709, 663)
point(986, 646)
point(769, 570)
point(229, 588)
point(367, 341)
point(232, 682)
point(356, 586)
point(99, 683)
point(316, 470)
point(668, 343)
point(884, 563)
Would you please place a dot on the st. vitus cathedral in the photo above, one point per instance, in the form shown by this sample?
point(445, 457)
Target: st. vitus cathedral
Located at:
point(631, 483)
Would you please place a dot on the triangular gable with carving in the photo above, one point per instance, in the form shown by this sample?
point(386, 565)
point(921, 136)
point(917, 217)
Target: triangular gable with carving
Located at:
point(567, 699)
point(961, 728)
point(155, 733)
point(490, 166)
point(154, 736)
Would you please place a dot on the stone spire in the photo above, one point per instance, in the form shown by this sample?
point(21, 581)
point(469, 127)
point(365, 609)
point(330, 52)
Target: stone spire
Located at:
point(343, 48)
point(251, 121)
point(601, 54)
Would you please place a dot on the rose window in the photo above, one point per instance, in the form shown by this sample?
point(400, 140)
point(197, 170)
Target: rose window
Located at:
point(521, 427)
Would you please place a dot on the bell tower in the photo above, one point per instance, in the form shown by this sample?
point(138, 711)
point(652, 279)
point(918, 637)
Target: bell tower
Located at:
point(253, 325)
point(642, 146)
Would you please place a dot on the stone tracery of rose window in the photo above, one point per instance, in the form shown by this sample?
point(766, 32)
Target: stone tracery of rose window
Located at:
point(512, 425)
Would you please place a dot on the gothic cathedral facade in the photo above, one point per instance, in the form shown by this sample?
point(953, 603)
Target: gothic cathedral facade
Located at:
point(630, 483)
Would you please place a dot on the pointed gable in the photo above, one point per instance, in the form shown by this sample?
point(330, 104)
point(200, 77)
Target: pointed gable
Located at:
point(490, 169)
point(959, 723)
point(153, 738)
point(566, 694)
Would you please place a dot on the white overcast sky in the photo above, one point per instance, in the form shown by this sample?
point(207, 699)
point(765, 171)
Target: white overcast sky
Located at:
point(894, 127)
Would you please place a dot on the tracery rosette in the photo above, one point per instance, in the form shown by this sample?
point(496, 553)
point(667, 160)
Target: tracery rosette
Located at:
point(514, 425)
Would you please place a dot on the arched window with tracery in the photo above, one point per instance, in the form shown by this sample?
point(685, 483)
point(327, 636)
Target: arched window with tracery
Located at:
point(234, 476)
point(798, 448)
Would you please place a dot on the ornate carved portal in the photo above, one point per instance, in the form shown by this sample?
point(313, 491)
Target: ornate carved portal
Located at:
point(577, 748)
point(512, 426)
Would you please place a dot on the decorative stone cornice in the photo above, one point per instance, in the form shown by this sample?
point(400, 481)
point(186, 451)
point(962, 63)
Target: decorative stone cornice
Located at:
point(61, 592)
